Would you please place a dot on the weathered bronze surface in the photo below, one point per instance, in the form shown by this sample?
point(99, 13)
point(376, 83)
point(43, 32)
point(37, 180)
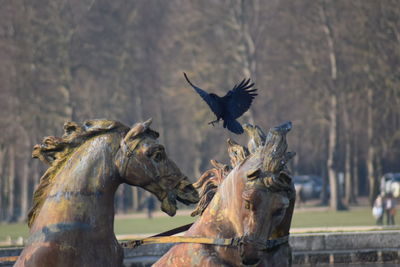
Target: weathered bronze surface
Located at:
point(71, 222)
point(253, 202)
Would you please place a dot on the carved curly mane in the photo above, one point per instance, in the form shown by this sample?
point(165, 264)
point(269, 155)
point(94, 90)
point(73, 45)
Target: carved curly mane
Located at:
point(55, 151)
point(211, 179)
point(208, 184)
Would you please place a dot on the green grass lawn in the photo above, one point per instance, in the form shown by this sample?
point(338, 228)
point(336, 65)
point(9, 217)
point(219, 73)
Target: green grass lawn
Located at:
point(355, 217)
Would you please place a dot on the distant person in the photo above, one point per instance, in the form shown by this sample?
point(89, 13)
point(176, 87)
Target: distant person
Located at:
point(390, 209)
point(300, 199)
point(377, 210)
point(151, 206)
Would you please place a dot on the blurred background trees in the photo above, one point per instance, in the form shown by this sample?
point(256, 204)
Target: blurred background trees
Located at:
point(331, 67)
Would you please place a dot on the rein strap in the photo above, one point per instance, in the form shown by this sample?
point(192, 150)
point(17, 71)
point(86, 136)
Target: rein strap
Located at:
point(165, 237)
point(8, 259)
point(183, 239)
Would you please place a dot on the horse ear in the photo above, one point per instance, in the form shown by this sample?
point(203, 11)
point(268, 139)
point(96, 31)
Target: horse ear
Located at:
point(236, 152)
point(256, 137)
point(137, 129)
point(147, 123)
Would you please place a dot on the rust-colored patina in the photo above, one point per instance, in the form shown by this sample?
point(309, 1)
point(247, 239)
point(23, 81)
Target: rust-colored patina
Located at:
point(71, 222)
point(251, 203)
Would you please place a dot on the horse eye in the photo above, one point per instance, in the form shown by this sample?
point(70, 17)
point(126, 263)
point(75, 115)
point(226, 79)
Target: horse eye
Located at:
point(158, 155)
point(278, 212)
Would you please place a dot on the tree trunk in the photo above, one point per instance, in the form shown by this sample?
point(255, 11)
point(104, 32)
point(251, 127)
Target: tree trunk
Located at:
point(2, 184)
point(161, 127)
point(196, 167)
point(135, 198)
point(333, 179)
point(23, 174)
point(372, 180)
point(378, 170)
point(324, 194)
point(11, 185)
point(335, 202)
point(24, 200)
point(355, 171)
point(349, 190)
point(247, 48)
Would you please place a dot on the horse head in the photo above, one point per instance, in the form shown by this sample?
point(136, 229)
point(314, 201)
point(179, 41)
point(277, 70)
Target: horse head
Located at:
point(142, 161)
point(267, 190)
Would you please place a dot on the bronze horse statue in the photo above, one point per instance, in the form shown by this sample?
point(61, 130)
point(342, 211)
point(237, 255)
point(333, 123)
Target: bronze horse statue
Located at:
point(246, 211)
point(71, 222)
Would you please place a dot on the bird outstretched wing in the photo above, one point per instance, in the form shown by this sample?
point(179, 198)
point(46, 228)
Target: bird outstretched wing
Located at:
point(240, 98)
point(212, 102)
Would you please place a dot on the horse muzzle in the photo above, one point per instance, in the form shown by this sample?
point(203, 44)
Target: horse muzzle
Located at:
point(248, 252)
point(183, 192)
point(186, 193)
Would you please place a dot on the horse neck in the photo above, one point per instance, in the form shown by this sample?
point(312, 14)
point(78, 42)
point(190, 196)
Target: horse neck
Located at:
point(221, 218)
point(84, 187)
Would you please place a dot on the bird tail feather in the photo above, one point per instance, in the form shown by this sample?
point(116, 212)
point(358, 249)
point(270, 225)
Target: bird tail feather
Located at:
point(234, 126)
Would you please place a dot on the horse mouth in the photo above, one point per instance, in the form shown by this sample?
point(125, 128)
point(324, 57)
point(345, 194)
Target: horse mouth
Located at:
point(186, 193)
point(183, 192)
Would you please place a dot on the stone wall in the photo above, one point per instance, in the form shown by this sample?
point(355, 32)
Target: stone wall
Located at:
point(353, 247)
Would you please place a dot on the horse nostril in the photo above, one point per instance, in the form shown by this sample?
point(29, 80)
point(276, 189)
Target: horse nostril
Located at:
point(248, 254)
point(250, 261)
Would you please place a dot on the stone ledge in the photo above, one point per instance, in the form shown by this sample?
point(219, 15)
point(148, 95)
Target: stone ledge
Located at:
point(13, 251)
point(345, 241)
point(347, 256)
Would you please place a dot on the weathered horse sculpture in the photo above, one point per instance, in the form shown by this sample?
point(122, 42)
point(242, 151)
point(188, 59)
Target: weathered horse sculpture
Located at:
point(280, 255)
point(251, 203)
point(71, 222)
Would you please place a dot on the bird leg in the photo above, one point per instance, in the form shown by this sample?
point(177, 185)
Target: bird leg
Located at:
point(212, 122)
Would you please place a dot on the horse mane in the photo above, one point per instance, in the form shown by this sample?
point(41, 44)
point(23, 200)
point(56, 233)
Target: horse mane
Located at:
point(55, 151)
point(208, 184)
point(210, 180)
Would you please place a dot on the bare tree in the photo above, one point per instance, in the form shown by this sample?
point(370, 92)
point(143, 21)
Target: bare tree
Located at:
point(335, 201)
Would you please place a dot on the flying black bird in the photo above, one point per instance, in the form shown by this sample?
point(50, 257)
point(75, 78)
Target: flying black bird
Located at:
point(231, 106)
